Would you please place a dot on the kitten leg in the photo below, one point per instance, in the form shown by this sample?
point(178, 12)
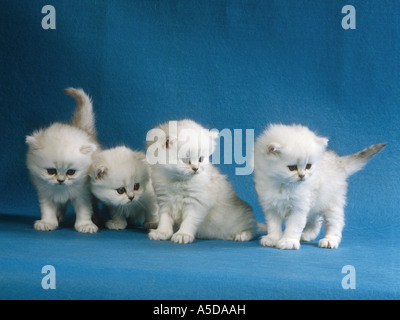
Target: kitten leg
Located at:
point(334, 223)
point(116, 223)
point(62, 209)
point(48, 221)
point(312, 229)
point(294, 225)
point(274, 230)
point(165, 226)
point(189, 226)
point(151, 217)
point(83, 211)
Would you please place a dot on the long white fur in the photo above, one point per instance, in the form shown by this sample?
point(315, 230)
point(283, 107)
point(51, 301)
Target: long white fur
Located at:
point(64, 147)
point(122, 167)
point(306, 197)
point(195, 199)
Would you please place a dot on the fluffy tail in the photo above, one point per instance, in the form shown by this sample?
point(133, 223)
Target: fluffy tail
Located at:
point(355, 162)
point(83, 117)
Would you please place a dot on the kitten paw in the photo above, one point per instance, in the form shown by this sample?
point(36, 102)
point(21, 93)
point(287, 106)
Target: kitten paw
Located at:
point(182, 238)
point(42, 225)
point(150, 225)
point(155, 234)
point(244, 236)
point(86, 228)
point(330, 243)
point(116, 224)
point(268, 241)
point(288, 244)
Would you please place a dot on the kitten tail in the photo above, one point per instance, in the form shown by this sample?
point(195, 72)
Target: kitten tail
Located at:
point(355, 162)
point(83, 117)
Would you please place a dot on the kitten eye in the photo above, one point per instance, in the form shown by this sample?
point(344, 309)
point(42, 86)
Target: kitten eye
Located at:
point(71, 172)
point(308, 166)
point(52, 171)
point(121, 190)
point(292, 168)
point(136, 186)
point(186, 161)
point(201, 159)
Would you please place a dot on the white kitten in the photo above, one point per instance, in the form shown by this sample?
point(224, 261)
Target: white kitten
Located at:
point(300, 182)
point(120, 179)
point(192, 194)
point(58, 160)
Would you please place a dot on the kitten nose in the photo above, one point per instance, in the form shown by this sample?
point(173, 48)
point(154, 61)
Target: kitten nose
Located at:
point(301, 176)
point(60, 181)
point(195, 169)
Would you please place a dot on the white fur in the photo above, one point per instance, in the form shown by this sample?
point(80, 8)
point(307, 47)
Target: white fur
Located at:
point(62, 147)
point(118, 168)
point(307, 196)
point(194, 198)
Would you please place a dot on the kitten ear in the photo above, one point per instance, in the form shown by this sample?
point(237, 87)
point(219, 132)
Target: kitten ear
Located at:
point(273, 148)
point(32, 142)
point(100, 173)
point(322, 141)
point(88, 148)
point(169, 142)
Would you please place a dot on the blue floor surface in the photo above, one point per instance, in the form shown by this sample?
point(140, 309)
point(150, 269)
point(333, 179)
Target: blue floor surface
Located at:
point(126, 265)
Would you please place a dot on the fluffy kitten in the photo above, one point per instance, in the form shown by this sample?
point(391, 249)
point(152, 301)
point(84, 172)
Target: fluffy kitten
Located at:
point(58, 160)
point(120, 179)
point(192, 194)
point(300, 182)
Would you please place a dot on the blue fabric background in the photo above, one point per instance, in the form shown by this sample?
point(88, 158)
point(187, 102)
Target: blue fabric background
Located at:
point(226, 64)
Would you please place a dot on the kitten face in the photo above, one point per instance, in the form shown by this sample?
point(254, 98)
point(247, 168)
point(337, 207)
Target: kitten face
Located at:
point(59, 157)
point(119, 176)
point(294, 169)
point(289, 154)
point(191, 163)
point(187, 148)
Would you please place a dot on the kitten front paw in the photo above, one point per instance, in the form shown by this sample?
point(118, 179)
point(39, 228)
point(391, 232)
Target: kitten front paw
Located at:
point(42, 225)
point(268, 241)
point(87, 228)
point(330, 243)
point(116, 224)
point(244, 236)
point(150, 225)
point(288, 244)
point(182, 238)
point(155, 234)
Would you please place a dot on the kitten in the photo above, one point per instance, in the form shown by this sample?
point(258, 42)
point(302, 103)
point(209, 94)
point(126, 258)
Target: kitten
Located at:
point(192, 194)
point(58, 160)
point(120, 179)
point(300, 182)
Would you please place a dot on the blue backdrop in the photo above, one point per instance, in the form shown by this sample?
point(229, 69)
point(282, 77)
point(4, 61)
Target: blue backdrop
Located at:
point(226, 64)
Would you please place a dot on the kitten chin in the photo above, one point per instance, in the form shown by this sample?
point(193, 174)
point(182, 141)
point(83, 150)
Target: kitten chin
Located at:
point(58, 161)
point(300, 182)
point(120, 179)
point(195, 199)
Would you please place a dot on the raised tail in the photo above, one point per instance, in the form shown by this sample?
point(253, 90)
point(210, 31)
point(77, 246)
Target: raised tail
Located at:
point(355, 162)
point(83, 117)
